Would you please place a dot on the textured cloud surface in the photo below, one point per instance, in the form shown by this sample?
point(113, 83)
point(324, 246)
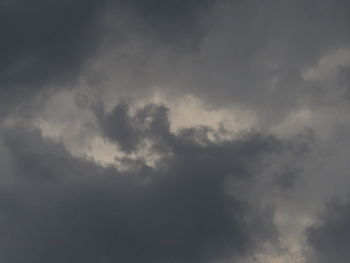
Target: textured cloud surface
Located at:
point(174, 131)
point(329, 238)
point(59, 208)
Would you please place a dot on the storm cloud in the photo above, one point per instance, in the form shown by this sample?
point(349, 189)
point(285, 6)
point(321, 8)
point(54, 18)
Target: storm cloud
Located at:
point(60, 208)
point(47, 43)
point(166, 131)
point(329, 237)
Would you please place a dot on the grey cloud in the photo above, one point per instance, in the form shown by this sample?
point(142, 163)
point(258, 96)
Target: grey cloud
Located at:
point(43, 42)
point(42, 160)
point(118, 127)
point(329, 238)
point(251, 54)
point(152, 122)
point(171, 22)
point(247, 53)
point(129, 132)
point(60, 208)
point(256, 51)
point(47, 43)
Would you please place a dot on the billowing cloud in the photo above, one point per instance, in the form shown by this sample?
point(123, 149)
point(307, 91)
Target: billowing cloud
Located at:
point(167, 131)
point(47, 43)
point(59, 208)
point(328, 237)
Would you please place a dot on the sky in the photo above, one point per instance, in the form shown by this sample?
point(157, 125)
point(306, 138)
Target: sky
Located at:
point(161, 131)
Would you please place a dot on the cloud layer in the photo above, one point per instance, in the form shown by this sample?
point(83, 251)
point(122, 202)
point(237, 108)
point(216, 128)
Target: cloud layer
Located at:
point(59, 208)
point(164, 131)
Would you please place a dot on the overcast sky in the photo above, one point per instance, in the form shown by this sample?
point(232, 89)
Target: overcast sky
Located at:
point(163, 131)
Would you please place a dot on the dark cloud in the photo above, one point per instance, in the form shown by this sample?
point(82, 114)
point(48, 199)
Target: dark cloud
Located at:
point(287, 179)
point(130, 131)
point(171, 22)
point(249, 53)
point(344, 81)
point(151, 122)
point(46, 43)
point(41, 160)
point(118, 127)
point(329, 238)
point(254, 53)
point(61, 208)
point(43, 42)
point(200, 200)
